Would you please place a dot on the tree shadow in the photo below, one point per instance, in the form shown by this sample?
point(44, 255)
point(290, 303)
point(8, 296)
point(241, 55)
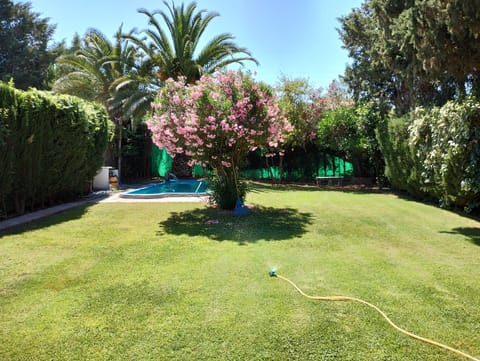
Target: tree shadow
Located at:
point(76, 212)
point(263, 223)
point(472, 233)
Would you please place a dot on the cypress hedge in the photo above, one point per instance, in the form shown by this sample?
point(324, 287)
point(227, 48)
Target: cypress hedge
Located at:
point(51, 146)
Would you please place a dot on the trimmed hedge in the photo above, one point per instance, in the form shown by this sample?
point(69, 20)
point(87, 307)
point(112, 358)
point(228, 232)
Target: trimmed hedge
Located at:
point(402, 168)
point(436, 152)
point(51, 146)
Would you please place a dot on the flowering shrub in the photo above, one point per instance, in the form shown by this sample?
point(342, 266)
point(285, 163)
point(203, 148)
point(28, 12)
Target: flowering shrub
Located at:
point(436, 152)
point(445, 140)
point(216, 122)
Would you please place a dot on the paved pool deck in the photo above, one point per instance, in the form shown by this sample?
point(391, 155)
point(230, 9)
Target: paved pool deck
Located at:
point(106, 197)
point(115, 198)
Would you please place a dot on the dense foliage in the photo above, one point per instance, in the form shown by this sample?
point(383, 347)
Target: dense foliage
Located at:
point(303, 106)
point(435, 152)
point(402, 167)
point(339, 134)
point(24, 37)
point(50, 147)
point(126, 74)
point(420, 59)
point(413, 53)
point(216, 122)
point(93, 71)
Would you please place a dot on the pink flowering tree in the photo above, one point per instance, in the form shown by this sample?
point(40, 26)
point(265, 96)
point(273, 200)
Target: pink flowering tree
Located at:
point(216, 122)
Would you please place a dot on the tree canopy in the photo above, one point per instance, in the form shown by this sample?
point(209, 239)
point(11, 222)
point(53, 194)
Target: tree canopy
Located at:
point(216, 122)
point(415, 52)
point(24, 37)
point(174, 52)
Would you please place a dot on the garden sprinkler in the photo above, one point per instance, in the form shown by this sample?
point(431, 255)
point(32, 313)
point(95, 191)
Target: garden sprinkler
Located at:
point(273, 273)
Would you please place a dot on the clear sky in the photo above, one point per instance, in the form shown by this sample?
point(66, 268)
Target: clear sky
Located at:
point(295, 37)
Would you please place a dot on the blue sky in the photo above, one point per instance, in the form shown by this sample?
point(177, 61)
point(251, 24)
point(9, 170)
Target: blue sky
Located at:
point(292, 37)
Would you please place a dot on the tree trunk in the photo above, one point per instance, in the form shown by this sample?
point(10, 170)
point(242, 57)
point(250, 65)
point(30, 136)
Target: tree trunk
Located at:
point(119, 165)
point(280, 169)
point(180, 166)
point(269, 169)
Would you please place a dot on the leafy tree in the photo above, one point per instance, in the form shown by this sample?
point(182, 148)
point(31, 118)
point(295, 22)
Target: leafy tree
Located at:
point(55, 70)
point(370, 116)
point(448, 32)
point(338, 134)
point(337, 95)
point(368, 77)
point(216, 122)
point(24, 37)
point(303, 106)
point(409, 53)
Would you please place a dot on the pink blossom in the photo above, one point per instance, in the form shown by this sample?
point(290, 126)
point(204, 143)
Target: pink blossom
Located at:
point(196, 95)
point(192, 119)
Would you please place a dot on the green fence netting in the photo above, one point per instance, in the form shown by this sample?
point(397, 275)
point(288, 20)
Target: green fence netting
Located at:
point(161, 162)
point(330, 166)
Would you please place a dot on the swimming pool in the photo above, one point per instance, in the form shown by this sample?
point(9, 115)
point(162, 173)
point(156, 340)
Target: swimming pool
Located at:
point(171, 188)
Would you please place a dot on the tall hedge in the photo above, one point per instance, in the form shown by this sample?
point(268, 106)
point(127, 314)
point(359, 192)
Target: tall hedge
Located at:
point(50, 147)
point(436, 152)
point(402, 167)
point(8, 116)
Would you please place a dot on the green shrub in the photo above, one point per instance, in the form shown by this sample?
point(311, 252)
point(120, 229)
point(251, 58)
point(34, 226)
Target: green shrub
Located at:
point(402, 167)
point(51, 146)
point(226, 190)
point(446, 141)
point(8, 115)
point(436, 152)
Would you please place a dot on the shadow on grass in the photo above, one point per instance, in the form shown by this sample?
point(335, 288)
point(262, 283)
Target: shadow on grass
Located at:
point(75, 212)
point(263, 223)
point(472, 233)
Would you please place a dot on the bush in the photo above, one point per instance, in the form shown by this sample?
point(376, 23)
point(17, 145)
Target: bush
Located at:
point(50, 147)
point(402, 168)
point(436, 152)
point(446, 142)
point(226, 190)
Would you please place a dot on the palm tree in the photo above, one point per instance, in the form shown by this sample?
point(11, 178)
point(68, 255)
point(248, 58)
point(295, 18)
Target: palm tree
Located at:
point(175, 53)
point(94, 69)
point(133, 92)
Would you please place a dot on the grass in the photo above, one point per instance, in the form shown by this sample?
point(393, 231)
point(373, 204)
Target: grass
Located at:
point(154, 282)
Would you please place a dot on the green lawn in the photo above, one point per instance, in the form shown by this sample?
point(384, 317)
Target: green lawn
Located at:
point(154, 282)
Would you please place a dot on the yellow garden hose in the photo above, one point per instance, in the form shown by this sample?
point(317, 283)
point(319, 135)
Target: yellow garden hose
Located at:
point(273, 273)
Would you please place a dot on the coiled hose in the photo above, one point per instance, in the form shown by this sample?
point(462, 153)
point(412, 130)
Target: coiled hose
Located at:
point(273, 273)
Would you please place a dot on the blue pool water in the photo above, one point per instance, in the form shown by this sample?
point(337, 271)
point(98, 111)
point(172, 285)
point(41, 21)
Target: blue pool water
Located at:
point(171, 188)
